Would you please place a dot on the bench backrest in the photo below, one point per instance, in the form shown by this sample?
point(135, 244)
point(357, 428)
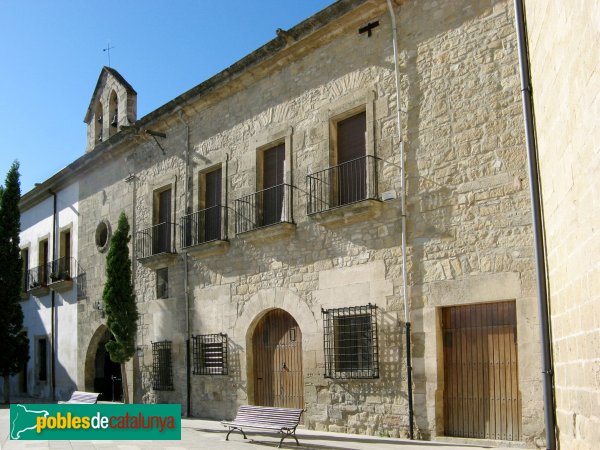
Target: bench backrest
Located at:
point(283, 417)
point(83, 397)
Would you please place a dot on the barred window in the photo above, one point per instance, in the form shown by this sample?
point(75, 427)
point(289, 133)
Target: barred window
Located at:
point(350, 342)
point(210, 354)
point(162, 283)
point(162, 368)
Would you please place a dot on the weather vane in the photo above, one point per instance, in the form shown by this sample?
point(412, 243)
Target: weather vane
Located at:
point(108, 49)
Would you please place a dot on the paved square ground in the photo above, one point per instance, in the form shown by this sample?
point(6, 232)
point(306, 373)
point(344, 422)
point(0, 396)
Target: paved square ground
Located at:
point(209, 435)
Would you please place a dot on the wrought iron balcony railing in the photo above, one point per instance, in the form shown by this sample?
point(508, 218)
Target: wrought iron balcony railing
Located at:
point(156, 240)
point(37, 277)
point(263, 208)
point(206, 225)
point(62, 269)
point(340, 185)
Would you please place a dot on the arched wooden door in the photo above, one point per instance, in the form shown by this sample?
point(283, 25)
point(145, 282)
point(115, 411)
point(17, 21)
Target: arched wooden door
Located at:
point(277, 344)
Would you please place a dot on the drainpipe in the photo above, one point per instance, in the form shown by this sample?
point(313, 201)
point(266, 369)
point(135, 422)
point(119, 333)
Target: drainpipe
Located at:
point(185, 270)
point(53, 306)
point(538, 231)
point(135, 363)
point(226, 221)
point(403, 222)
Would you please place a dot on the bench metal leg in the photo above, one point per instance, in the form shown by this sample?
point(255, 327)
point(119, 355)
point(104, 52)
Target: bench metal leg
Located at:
point(235, 428)
point(287, 433)
point(281, 441)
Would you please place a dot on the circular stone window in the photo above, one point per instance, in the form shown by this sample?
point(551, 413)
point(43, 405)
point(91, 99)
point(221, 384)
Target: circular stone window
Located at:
point(102, 236)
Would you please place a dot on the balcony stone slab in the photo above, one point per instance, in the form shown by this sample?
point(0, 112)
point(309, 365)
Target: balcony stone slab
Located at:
point(207, 249)
point(158, 260)
point(62, 285)
point(258, 236)
point(40, 290)
point(347, 214)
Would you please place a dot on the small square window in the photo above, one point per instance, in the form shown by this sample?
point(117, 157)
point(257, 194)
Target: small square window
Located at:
point(162, 367)
point(210, 354)
point(162, 283)
point(350, 340)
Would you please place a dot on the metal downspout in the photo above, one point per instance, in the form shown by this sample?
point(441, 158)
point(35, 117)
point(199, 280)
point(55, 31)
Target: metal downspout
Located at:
point(185, 270)
point(403, 222)
point(538, 231)
point(131, 178)
point(53, 305)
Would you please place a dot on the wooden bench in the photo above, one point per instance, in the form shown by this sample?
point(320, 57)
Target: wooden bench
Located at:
point(283, 420)
point(83, 397)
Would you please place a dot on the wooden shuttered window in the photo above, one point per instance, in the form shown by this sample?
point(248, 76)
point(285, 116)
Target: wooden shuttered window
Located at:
point(211, 228)
point(351, 162)
point(272, 197)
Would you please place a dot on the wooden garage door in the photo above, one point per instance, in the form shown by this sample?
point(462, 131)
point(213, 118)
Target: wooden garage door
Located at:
point(481, 387)
point(277, 344)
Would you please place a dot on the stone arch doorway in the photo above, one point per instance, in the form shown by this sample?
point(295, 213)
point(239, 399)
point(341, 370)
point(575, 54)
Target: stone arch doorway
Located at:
point(101, 374)
point(277, 361)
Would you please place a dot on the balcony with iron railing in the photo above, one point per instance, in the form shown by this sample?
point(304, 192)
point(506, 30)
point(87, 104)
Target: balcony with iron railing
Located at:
point(344, 193)
point(265, 214)
point(61, 273)
point(57, 274)
point(37, 280)
point(204, 232)
point(156, 243)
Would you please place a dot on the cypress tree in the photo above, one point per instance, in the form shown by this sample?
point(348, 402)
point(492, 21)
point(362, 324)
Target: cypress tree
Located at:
point(13, 338)
point(119, 300)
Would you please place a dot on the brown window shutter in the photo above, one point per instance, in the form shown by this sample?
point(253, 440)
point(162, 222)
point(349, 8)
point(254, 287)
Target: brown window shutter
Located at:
point(212, 193)
point(351, 138)
point(273, 159)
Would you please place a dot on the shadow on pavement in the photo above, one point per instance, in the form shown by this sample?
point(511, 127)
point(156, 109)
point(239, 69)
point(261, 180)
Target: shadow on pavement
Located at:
point(290, 443)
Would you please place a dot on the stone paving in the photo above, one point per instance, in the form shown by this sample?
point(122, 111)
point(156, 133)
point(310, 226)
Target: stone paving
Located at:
point(209, 434)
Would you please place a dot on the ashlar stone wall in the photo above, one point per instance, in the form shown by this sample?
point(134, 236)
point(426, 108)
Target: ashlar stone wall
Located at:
point(563, 45)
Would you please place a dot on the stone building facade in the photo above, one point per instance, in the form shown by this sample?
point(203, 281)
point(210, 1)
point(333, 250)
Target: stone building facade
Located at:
point(265, 217)
point(563, 46)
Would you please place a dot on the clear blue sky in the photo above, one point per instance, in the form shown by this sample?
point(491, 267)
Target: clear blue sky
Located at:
point(52, 56)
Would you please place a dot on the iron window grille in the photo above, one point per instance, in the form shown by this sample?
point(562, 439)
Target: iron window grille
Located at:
point(210, 354)
point(350, 342)
point(162, 367)
point(162, 283)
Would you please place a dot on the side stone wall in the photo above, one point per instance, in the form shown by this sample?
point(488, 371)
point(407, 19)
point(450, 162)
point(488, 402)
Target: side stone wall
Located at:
point(565, 77)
